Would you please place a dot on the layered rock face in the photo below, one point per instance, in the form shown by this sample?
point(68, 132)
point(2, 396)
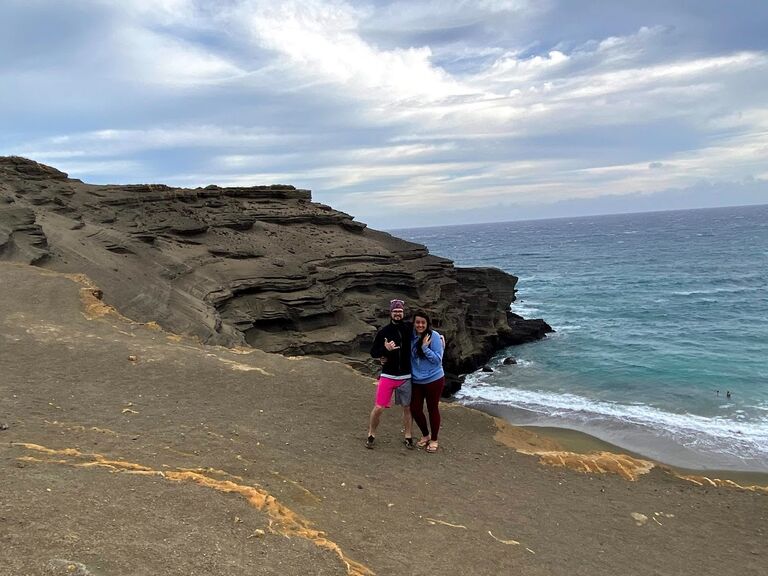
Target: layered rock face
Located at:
point(262, 266)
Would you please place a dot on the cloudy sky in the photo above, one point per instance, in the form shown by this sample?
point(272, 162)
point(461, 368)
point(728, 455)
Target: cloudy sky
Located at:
point(402, 113)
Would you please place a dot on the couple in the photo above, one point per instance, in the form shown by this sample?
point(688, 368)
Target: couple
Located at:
point(411, 355)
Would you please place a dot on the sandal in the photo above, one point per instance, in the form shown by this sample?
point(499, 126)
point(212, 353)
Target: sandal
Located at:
point(432, 446)
point(409, 443)
point(369, 442)
point(423, 442)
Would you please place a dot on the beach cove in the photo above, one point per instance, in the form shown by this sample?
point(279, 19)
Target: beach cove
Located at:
point(659, 325)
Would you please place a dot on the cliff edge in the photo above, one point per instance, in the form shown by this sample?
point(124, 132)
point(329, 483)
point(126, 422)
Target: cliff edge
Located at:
point(262, 266)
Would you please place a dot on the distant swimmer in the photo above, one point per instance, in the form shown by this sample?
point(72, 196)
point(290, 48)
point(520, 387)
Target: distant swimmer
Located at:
point(728, 394)
point(718, 392)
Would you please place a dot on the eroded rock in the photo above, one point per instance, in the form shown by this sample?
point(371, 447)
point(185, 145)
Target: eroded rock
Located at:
point(261, 266)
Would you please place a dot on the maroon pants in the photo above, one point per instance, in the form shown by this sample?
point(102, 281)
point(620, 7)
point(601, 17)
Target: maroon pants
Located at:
point(431, 393)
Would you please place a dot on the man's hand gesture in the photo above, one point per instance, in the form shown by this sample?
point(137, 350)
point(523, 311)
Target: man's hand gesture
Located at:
point(389, 345)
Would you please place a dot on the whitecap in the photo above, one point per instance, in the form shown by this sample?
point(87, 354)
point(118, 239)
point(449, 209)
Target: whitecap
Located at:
point(525, 309)
point(711, 291)
point(568, 328)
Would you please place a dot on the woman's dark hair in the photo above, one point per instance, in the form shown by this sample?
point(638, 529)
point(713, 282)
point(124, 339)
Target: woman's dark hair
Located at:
point(428, 331)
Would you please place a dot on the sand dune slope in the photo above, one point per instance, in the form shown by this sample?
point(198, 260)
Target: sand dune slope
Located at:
point(132, 451)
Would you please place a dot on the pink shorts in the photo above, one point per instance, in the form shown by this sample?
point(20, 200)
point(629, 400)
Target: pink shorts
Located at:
point(401, 388)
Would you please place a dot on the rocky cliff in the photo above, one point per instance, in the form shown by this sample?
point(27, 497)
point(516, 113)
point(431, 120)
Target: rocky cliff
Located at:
point(262, 266)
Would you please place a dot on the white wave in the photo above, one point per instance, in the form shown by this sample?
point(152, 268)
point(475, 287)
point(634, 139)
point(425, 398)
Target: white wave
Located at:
point(499, 363)
point(710, 434)
point(568, 328)
point(525, 309)
point(711, 291)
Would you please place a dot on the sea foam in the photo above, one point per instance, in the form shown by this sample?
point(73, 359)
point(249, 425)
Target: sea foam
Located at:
point(744, 440)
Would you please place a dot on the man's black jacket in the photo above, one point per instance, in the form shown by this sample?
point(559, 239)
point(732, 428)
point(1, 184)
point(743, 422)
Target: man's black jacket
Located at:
point(398, 362)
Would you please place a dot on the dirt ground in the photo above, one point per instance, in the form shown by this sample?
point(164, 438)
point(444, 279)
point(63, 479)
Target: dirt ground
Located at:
point(127, 450)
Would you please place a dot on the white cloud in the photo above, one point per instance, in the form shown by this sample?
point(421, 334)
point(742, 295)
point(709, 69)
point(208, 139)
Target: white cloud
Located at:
point(113, 142)
point(190, 13)
point(509, 69)
point(321, 41)
point(84, 168)
point(651, 77)
point(427, 15)
point(157, 58)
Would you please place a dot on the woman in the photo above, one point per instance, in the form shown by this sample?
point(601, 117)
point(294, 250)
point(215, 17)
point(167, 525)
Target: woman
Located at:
point(428, 379)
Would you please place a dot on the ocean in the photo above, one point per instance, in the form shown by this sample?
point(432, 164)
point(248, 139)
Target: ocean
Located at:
point(661, 319)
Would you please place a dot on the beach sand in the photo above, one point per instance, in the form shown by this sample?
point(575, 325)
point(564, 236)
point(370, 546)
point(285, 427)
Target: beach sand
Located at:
point(132, 451)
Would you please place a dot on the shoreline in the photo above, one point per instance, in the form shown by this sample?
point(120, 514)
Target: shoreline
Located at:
point(538, 439)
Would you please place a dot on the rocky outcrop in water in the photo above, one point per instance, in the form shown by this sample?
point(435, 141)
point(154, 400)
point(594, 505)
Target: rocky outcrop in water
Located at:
point(262, 266)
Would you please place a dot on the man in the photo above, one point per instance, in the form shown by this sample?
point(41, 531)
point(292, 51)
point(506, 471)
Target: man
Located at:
point(392, 347)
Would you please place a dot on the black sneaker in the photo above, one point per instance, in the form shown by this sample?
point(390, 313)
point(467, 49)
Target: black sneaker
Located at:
point(409, 443)
point(370, 441)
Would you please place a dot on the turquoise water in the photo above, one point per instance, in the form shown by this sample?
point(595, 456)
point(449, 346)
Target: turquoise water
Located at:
point(654, 314)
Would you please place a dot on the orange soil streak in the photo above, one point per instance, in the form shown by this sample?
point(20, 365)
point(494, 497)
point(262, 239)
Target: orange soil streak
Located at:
point(292, 524)
point(629, 468)
point(718, 483)
point(89, 295)
point(625, 466)
point(82, 428)
point(550, 453)
point(94, 308)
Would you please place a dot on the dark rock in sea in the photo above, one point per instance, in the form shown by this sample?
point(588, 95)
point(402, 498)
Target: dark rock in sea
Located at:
point(527, 330)
point(262, 266)
point(487, 368)
point(509, 360)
